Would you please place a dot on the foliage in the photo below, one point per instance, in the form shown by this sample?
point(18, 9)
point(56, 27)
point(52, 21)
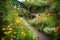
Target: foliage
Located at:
point(13, 27)
point(55, 7)
point(44, 21)
point(38, 3)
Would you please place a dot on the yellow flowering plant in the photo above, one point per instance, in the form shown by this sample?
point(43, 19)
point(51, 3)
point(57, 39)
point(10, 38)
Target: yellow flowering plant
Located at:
point(14, 28)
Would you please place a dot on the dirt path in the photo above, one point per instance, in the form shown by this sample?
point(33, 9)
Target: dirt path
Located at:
point(40, 35)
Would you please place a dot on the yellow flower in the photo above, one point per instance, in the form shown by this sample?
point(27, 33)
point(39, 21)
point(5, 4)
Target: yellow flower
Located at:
point(3, 29)
point(11, 39)
point(23, 34)
point(6, 33)
point(10, 28)
point(14, 32)
point(17, 20)
point(9, 31)
point(2, 38)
